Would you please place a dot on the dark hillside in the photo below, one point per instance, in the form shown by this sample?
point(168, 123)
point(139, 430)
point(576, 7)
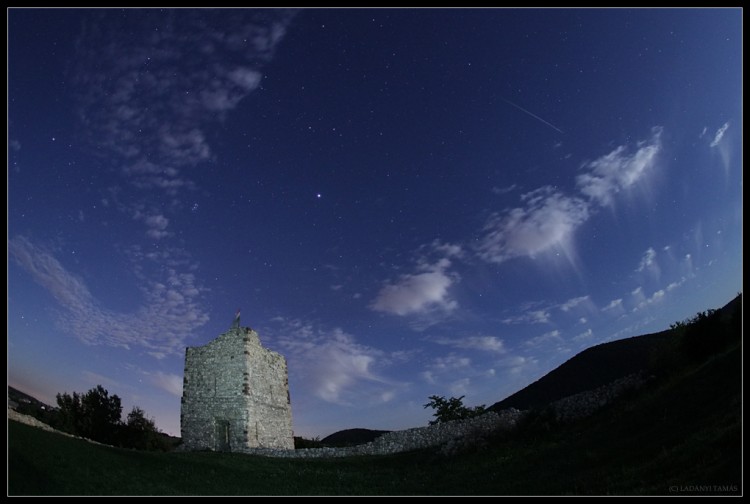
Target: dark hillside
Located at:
point(652, 353)
point(592, 368)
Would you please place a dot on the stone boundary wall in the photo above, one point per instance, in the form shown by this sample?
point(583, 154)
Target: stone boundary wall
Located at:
point(586, 403)
point(411, 439)
point(566, 409)
point(33, 422)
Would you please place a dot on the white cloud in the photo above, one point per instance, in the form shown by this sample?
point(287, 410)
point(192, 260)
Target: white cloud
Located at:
point(547, 220)
point(451, 361)
point(157, 225)
point(172, 383)
point(582, 320)
point(447, 249)
point(418, 293)
point(460, 387)
point(529, 317)
point(333, 367)
point(146, 175)
point(586, 335)
point(618, 170)
point(504, 190)
point(428, 377)
point(644, 302)
point(723, 147)
point(483, 343)
point(703, 133)
point(614, 305)
point(572, 303)
point(719, 134)
point(548, 338)
point(672, 286)
point(648, 261)
point(246, 78)
point(518, 364)
point(171, 310)
point(95, 379)
point(638, 297)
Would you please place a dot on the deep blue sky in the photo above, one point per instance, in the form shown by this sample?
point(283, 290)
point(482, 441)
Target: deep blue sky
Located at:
point(402, 202)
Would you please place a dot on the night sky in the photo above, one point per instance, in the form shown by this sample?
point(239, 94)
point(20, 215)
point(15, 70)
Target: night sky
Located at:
point(401, 202)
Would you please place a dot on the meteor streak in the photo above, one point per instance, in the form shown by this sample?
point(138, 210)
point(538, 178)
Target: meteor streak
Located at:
point(533, 115)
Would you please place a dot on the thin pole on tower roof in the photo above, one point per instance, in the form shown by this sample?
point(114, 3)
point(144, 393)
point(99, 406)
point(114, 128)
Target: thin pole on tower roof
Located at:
point(236, 322)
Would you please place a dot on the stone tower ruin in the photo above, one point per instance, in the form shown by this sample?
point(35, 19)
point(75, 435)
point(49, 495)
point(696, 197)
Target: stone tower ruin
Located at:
point(235, 395)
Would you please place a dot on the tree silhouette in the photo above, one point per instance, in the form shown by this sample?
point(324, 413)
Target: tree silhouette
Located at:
point(451, 409)
point(141, 433)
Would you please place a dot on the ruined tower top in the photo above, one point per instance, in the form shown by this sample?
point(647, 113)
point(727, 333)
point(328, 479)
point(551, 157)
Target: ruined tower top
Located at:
point(235, 394)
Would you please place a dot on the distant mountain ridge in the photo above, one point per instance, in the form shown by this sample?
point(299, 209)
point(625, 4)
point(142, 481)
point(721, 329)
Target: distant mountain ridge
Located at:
point(351, 437)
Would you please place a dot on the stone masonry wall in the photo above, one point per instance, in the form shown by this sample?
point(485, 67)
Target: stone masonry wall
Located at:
point(235, 395)
point(452, 435)
point(413, 439)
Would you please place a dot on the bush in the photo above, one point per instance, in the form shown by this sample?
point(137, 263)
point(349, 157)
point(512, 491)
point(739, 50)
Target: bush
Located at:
point(302, 443)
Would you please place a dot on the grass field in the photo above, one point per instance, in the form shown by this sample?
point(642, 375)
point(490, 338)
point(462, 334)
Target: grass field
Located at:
point(679, 436)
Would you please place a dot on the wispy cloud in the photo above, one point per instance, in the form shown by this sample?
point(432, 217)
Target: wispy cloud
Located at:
point(444, 249)
point(547, 220)
point(648, 260)
point(529, 317)
point(518, 364)
point(548, 338)
point(573, 302)
point(505, 190)
point(637, 295)
point(148, 100)
point(544, 222)
point(722, 146)
point(171, 311)
point(674, 285)
point(460, 387)
point(643, 301)
point(719, 135)
point(483, 343)
point(332, 366)
point(157, 226)
point(452, 372)
point(450, 362)
point(584, 336)
point(618, 170)
point(614, 306)
point(421, 292)
point(169, 382)
point(95, 379)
